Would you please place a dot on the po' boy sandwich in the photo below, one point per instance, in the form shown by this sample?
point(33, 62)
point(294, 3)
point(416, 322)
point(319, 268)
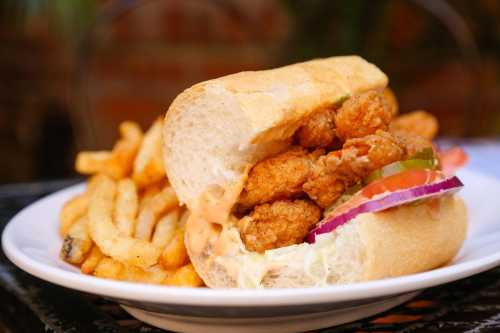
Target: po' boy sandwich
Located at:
point(305, 176)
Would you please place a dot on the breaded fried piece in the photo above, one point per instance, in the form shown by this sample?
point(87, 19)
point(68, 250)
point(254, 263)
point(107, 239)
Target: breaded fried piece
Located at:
point(392, 101)
point(333, 173)
point(410, 143)
point(363, 115)
point(279, 177)
point(279, 224)
point(318, 130)
point(420, 123)
point(380, 149)
point(329, 178)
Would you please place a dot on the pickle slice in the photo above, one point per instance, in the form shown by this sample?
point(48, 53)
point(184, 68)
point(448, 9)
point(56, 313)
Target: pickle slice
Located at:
point(400, 166)
point(424, 154)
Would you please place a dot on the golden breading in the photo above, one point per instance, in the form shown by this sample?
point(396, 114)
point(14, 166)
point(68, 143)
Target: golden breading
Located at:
point(329, 178)
point(318, 130)
point(363, 115)
point(279, 224)
point(278, 177)
point(381, 149)
point(334, 172)
point(419, 123)
point(391, 99)
point(411, 143)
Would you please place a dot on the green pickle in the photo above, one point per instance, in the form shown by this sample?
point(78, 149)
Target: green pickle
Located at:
point(424, 154)
point(424, 159)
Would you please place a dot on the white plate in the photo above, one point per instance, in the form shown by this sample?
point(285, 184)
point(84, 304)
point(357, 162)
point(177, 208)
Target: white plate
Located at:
point(31, 241)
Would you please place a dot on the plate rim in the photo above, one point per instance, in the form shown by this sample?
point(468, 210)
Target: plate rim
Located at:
point(235, 297)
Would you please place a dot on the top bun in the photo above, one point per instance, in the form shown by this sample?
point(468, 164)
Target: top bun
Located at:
point(217, 128)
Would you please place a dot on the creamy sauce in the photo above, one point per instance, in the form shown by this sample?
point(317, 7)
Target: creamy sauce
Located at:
point(208, 217)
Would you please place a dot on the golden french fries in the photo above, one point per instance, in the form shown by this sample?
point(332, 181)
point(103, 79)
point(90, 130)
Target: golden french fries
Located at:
point(105, 234)
point(108, 268)
point(77, 242)
point(155, 274)
point(148, 215)
point(174, 255)
point(127, 225)
point(185, 276)
point(72, 210)
point(91, 162)
point(148, 193)
point(126, 207)
point(90, 263)
point(165, 229)
point(93, 182)
point(120, 163)
point(148, 165)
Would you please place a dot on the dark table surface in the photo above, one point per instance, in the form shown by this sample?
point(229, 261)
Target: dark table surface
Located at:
point(28, 304)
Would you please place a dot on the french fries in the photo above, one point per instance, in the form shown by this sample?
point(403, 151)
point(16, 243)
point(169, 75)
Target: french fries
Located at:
point(77, 242)
point(128, 224)
point(90, 162)
point(174, 255)
point(120, 163)
point(91, 262)
point(105, 234)
point(165, 229)
point(72, 210)
point(148, 193)
point(185, 276)
point(148, 166)
point(155, 274)
point(127, 205)
point(109, 268)
point(148, 216)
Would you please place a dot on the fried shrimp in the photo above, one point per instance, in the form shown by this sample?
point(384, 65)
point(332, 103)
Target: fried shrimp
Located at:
point(279, 177)
point(363, 115)
point(279, 224)
point(329, 178)
point(391, 99)
point(420, 123)
point(380, 149)
point(410, 143)
point(333, 173)
point(319, 130)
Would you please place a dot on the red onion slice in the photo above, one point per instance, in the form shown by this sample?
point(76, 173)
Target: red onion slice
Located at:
point(384, 201)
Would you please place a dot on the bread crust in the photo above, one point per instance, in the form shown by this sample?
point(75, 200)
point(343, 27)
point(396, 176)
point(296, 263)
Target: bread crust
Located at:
point(216, 130)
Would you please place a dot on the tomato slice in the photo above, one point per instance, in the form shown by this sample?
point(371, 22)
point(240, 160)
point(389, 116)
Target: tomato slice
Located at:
point(453, 159)
point(424, 159)
point(398, 167)
point(400, 181)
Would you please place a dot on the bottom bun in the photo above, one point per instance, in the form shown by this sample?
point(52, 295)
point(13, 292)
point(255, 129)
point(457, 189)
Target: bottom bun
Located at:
point(402, 240)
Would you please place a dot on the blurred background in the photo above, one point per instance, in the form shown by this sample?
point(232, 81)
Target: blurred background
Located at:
point(71, 70)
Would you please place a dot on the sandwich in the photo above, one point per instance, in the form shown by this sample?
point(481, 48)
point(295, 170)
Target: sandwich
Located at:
point(304, 176)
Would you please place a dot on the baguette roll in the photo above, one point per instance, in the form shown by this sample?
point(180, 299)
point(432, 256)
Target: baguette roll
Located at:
point(215, 131)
